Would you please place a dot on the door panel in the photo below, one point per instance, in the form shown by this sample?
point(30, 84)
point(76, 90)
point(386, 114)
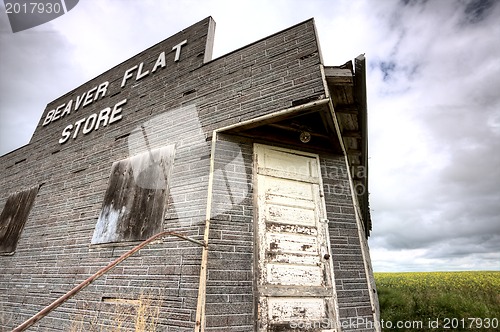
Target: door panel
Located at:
point(294, 277)
point(297, 309)
point(293, 274)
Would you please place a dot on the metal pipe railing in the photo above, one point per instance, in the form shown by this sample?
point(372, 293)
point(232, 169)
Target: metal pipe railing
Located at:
point(42, 313)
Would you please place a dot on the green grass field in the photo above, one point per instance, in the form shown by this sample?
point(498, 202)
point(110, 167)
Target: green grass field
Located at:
point(439, 301)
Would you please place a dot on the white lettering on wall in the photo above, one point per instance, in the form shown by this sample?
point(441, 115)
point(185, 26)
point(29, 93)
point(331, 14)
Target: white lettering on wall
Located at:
point(89, 98)
point(66, 134)
point(94, 121)
point(103, 118)
point(177, 49)
point(128, 74)
point(48, 118)
point(79, 100)
point(116, 114)
point(101, 90)
point(140, 74)
point(67, 110)
point(86, 98)
point(107, 115)
point(77, 126)
point(89, 124)
point(57, 113)
point(160, 62)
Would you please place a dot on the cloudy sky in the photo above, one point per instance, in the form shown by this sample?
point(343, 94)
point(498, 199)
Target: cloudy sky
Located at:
point(433, 100)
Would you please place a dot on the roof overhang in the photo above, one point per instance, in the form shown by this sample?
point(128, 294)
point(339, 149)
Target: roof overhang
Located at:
point(312, 117)
point(336, 123)
point(347, 89)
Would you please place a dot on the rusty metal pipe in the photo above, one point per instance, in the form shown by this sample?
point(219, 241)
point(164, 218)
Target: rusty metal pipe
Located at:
point(42, 313)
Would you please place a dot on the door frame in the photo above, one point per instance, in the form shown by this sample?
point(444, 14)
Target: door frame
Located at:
point(335, 325)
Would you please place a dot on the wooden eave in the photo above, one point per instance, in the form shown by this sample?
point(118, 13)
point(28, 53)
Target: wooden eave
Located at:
point(347, 89)
point(286, 129)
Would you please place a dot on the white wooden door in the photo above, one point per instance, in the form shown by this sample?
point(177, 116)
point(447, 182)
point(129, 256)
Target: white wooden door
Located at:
point(294, 269)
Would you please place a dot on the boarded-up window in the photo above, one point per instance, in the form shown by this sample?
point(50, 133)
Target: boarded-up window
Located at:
point(135, 200)
point(13, 217)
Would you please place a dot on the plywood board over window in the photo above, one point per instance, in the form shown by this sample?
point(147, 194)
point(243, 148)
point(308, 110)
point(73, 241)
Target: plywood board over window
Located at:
point(13, 217)
point(136, 196)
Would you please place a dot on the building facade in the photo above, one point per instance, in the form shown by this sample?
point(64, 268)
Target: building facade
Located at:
point(252, 166)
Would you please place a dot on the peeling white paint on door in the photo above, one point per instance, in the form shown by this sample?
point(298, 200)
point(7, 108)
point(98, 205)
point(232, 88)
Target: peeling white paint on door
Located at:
point(295, 280)
point(296, 308)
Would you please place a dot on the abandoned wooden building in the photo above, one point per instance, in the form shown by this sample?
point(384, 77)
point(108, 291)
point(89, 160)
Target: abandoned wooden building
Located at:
point(246, 174)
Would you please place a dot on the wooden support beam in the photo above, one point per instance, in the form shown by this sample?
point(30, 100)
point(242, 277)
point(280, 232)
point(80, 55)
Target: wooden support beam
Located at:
point(288, 128)
point(359, 179)
point(346, 109)
point(354, 152)
point(351, 133)
point(339, 76)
